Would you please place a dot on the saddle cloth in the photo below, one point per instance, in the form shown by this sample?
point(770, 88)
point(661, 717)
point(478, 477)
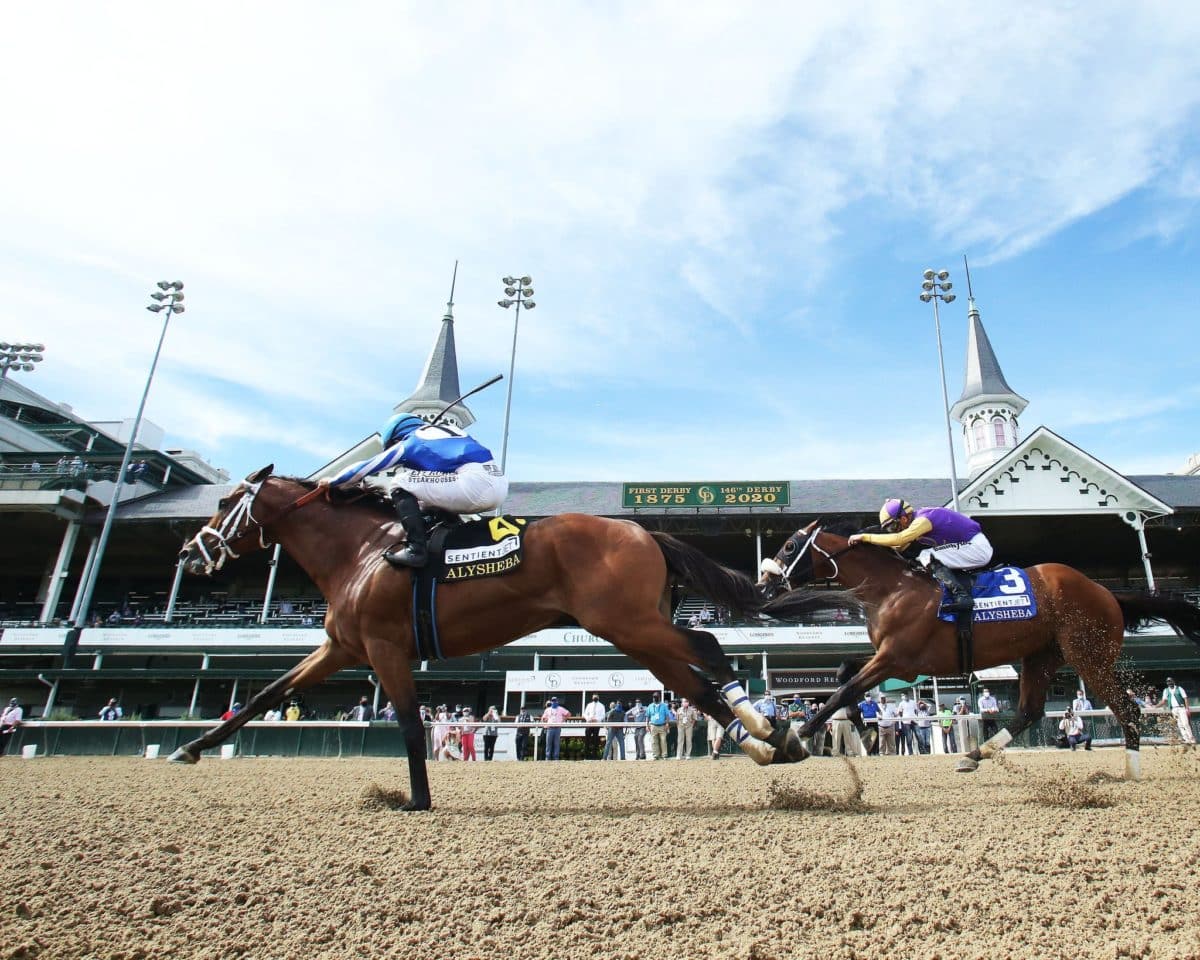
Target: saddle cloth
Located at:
point(465, 551)
point(1002, 593)
point(478, 548)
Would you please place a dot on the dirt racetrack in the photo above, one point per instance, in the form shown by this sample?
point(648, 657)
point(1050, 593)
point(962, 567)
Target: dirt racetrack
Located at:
point(1042, 855)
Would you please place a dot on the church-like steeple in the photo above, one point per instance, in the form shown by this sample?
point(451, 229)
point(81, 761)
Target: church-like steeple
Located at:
point(988, 408)
point(438, 385)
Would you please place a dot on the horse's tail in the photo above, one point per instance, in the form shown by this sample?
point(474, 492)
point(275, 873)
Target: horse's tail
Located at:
point(799, 601)
point(727, 587)
point(1139, 609)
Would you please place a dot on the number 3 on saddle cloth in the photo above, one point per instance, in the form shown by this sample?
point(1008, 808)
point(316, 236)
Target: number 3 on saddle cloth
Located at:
point(1002, 593)
point(489, 547)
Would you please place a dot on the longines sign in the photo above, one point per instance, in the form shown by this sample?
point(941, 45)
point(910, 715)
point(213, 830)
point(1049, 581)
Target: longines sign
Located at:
point(768, 494)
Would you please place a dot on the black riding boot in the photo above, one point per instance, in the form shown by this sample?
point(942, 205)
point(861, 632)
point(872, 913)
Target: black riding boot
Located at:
point(415, 550)
point(961, 600)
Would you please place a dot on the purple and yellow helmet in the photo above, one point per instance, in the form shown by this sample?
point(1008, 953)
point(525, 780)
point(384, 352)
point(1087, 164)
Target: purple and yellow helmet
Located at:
point(399, 427)
point(891, 512)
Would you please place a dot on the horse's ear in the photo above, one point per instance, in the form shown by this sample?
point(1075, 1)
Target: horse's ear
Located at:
point(261, 475)
point(812, 526)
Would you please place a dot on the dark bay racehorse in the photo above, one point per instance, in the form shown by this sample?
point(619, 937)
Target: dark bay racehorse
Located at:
point(1078, 622)
point(610, 576)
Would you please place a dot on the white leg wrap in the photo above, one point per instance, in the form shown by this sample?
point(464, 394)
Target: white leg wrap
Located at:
point(1133, 765)
point(761, 753)
point(998, 742)
point(738, 701)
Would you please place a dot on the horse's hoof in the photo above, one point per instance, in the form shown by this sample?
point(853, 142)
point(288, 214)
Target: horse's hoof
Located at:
point(413, 806)
point(183, 756)
point(967, 765)
point(870, 738)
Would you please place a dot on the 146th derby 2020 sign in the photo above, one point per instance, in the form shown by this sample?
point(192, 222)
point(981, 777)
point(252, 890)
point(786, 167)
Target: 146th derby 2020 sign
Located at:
point(771, 494)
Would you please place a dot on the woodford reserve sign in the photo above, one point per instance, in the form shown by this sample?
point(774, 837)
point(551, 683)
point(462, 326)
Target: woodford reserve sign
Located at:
point(769, 494)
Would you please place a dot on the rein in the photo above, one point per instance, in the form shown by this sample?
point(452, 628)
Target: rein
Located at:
point(773, 566)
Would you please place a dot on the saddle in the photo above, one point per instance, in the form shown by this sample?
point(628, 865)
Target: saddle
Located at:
point(998, 592)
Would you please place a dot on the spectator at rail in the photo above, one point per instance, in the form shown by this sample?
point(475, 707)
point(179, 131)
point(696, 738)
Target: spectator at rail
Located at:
point(946, 720)
point(686, 718)
point(292, 713)
point(1072, 726)
point(694, 622)
point(658, 719)
point(1140, 701)
point(906, 710)
point(451, 747)
point(1081, 702)
point(887, 726)
point(232, 712)
point(10, 719)
point(114, 618)
point(1175, 699)
point(988, 709)
point(273, 715)
point(870, 714)
point(491, 732)
point(467, 735)
point(362, 712)
point(521, 743)
point(615, 741)
point(637, 715)
point(593, 715)
point(388, 712)
point(441, 729)
point(796, 713)
point(111, 710)
point(554, 716)
point(845, 740)
point(716, 733)
point(767, 707)
point(923, 726)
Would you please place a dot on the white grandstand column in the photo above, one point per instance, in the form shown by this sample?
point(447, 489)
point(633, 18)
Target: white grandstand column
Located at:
point(1138, 522)
point(168, 298)
point(169, 616)
point(274, 565)
point(83, 578)
point(61, 569)
point(196, 687)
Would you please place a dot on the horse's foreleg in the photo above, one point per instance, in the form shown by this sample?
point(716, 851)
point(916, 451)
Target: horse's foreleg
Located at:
point(323, 662)
point(390, 664)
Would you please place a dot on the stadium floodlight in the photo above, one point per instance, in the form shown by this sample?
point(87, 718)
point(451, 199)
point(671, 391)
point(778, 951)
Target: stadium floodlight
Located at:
point(170, 306)
point(22, 357)
point(935, 292)
point(519, 288)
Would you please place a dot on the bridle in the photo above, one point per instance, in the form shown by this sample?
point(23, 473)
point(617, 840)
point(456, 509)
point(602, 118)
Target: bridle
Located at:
point(231, 526)
point(790, 554)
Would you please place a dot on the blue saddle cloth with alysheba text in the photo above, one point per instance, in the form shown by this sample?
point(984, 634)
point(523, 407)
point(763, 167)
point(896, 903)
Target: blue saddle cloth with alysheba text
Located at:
point(1002, 593)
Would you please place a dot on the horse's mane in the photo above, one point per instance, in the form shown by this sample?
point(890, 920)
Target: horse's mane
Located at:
point(370, 498)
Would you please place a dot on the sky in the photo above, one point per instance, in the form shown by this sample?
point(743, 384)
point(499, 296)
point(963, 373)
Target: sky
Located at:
point(725, 209)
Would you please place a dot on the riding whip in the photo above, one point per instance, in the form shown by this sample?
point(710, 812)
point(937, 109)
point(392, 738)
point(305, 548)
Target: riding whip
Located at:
point(482, 386)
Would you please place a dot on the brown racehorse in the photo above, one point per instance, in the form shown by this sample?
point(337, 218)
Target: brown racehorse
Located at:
point(610, 576)
point(1078, 622)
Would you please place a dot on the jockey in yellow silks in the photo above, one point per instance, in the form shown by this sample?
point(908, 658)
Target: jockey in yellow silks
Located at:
point(952, 541)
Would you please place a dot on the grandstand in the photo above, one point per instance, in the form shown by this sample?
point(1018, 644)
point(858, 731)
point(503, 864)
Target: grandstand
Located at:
point(172, 646)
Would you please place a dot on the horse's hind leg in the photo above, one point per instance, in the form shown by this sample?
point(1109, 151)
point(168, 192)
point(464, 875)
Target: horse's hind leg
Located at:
point(323, 662)
point(1037, 670)
point(1095, 659)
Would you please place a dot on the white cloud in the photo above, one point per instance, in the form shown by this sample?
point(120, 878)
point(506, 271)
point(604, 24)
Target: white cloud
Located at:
point(312, 172)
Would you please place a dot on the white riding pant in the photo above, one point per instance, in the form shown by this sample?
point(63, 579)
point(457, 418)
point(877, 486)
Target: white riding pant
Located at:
point(976, 552)
point(1183, 720)
point(472, 488)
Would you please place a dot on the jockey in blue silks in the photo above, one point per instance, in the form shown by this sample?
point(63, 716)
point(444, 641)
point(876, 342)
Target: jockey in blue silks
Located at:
point(439, 466)
point(952, 542)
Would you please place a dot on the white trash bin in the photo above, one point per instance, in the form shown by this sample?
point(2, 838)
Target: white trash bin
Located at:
point(152, 751)
point(29, 751)
point(227, 750)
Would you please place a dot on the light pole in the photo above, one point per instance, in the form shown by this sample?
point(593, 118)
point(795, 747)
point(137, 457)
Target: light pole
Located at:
point(19, 356)
point(168, 300)
point(518, 287)
point(935, 287)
